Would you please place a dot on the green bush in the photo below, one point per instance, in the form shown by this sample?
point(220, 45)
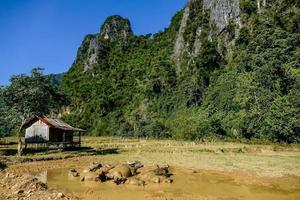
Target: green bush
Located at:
point(282, 122)
point(248, 6)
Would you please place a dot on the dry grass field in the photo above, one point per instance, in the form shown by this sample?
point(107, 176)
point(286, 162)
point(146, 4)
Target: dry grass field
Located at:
point(272, 160)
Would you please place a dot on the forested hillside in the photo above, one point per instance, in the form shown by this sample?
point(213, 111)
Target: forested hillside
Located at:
point(56, 79)
point(222, 69)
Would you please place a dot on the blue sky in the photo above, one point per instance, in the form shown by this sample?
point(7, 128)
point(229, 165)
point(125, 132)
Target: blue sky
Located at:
point(47, 33)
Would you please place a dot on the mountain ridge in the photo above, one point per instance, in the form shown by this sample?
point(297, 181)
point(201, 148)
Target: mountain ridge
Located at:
point(203, 77)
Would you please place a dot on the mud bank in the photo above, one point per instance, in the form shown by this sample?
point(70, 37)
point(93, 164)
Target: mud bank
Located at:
point(28, 187)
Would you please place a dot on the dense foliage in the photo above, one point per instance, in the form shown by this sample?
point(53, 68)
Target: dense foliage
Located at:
point(27, 96)
point(258, 96)
point(134, 89)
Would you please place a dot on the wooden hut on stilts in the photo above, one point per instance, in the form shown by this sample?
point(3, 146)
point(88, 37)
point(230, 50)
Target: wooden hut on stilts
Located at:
point(41, 131)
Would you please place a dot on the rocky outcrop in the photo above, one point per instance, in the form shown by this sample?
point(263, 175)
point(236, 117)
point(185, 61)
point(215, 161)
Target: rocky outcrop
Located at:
point(116, 28)
point(73, 173)
point(222, 13)
point(92, 50)
point(179, 43)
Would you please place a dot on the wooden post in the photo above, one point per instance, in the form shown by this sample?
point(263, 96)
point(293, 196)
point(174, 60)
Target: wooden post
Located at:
point(79, 139)
point(20, 145)
point(64, 139)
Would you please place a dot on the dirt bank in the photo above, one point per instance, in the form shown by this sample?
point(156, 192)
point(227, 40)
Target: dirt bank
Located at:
point(27, 187)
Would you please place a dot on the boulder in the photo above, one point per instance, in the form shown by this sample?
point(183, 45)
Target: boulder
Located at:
point(162, 170)
point(60, 195)
point(94, 166)
point(134, 166)
point(90, 176)
point(119, 180)
point(151, 177)
point(73, 173)
point(135, 181)
point(19, 192)
point(119, 173)
point(145, 169)
point(104, 169)
point(122, 170)
point(157, 174)
point(102, 176)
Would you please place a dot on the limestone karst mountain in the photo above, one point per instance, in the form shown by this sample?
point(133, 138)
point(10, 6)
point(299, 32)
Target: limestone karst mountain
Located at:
point(223, 68)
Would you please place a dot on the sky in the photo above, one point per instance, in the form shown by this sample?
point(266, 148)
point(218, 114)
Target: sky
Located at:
point(47, 33)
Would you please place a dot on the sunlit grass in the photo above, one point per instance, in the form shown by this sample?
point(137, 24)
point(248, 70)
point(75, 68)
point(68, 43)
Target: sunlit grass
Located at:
point(268, 160)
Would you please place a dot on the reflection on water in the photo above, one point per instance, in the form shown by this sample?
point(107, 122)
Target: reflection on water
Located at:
point(186, 186)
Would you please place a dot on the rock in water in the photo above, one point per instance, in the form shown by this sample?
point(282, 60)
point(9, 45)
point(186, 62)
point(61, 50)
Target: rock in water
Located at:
point(60, 195)
point(155, 174)
point(122, 170)
point(90, 176)
point(135, 181)
point(134, 166)
point(94, 166)
point(119, 173)
point(73, 173)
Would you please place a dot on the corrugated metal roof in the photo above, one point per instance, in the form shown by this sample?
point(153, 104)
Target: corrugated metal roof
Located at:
point(52, 123)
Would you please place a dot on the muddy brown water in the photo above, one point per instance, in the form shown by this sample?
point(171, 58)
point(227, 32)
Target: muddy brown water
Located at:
point(186, 186)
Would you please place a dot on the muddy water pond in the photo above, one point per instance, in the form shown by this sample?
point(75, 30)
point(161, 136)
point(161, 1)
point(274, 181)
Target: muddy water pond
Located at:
point(187, 185)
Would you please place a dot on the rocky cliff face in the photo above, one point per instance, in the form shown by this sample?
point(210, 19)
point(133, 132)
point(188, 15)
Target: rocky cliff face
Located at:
point(212, 19)
point(180, 43)
point(114, 29)
point(201, 20)
point(222, 12)
point(92, 44)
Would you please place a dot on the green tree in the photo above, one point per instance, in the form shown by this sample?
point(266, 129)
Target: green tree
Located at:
point(29, 95)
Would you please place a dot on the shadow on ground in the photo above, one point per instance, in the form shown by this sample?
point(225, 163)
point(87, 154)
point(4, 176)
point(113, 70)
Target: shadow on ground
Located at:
point(72, 151)
point(8, 152)
point(7, 143)
point(94, 151)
